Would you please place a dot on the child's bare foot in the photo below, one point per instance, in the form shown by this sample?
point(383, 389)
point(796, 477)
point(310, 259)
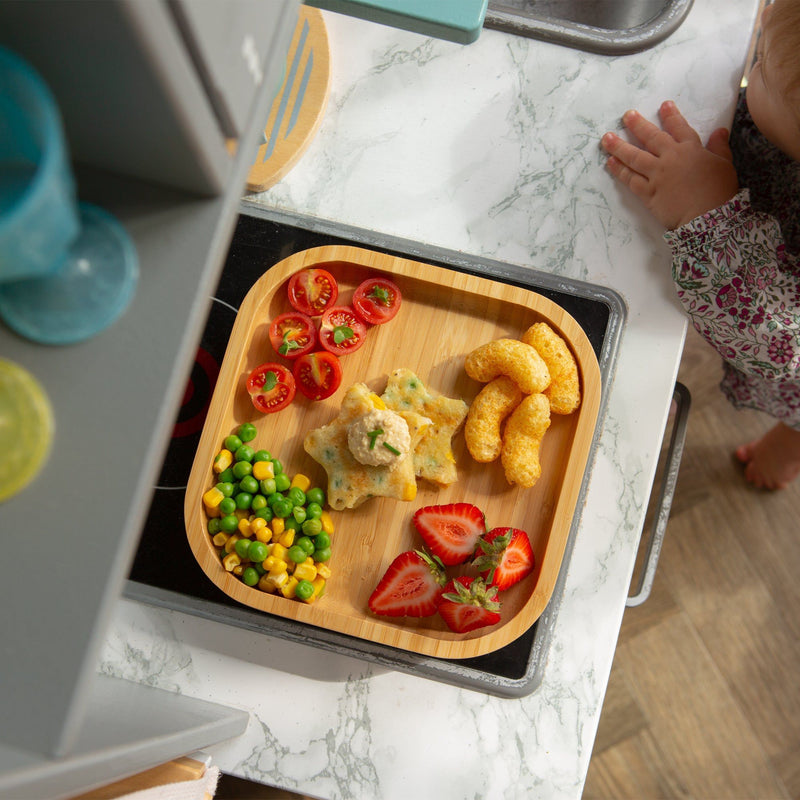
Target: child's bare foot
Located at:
point(773, 461)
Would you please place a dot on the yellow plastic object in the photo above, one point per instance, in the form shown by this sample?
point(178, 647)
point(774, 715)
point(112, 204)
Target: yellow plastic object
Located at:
point(26, 428)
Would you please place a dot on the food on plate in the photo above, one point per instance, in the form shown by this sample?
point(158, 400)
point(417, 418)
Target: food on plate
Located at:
point(350, 482)
point(340, 331)
point(522, 439)
point(451, 532)
point(377, 300)
point(317, 375)
point(487, 413)
point(510, 357)
point(379, 438)
point(270, 531)
point(433, 455)
point(312, 290)
point(467, 604)
point(506, 557)
point(271, 387)
point(410, 587)
point(564, 392)
point(292, 334)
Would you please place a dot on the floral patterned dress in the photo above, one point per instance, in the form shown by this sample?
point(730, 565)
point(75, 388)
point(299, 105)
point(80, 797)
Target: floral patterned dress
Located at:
point(737, 272)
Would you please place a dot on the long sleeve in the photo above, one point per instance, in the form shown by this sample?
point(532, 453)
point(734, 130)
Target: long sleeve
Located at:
point(741, 288)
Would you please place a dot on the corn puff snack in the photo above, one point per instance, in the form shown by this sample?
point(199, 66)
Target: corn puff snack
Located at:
point(564, 391)
point(510, 357)
point(487, 413)
point(522, 439)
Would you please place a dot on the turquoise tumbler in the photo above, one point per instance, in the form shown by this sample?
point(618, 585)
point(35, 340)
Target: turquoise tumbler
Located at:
point(38, 207)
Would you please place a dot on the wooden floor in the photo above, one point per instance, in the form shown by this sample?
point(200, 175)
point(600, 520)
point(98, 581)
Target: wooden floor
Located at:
point(704, 696)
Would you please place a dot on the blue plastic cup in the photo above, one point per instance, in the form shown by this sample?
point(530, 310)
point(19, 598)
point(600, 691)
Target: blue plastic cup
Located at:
point(38, 204)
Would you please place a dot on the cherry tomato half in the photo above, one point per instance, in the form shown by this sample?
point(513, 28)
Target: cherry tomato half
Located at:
point(377, 300)
point(271, 387)
point(341, 331)
point(292, 334)
point(312, 290)
point(317, 375)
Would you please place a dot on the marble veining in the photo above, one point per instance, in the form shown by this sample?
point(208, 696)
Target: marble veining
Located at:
point(491, 149)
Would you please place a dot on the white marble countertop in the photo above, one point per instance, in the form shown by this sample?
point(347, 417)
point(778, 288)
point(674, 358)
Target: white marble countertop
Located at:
point(490, 149)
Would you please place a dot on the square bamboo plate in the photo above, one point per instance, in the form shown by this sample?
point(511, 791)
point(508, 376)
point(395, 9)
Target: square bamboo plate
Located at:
point(444, 315)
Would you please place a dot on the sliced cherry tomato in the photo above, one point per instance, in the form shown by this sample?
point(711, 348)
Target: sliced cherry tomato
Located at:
point(341, 331)
point(317, 375)
point(271, 387)
point(292, 334)
point(377, 300)
point(313, 290)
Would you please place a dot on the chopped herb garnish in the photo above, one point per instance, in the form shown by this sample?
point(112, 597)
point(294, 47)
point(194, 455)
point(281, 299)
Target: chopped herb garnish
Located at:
point(391, 449)
point(270, 381)
point(373, 435)
point(341, 333)
point(288, 344)
point(381, 295)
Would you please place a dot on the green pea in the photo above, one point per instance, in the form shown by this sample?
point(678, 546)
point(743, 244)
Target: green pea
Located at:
point(322, 541)
point(242, 548)
point(243, 500)
point(249, 484)
point(262, 455)
point(229, 523)
point(275, 497)
point(282, 509)
point(264, 513)
point(244, 453)
point(232, 443)
point(247, 431)
point(299, 513)
point(312, 527)
point(213, 526)
point(268, 487)
point(322, 555)
point(227, 506)
point(259, 502)
point(304, 589)
point(313, 510)
point(291, 523)
point(226, 476)
point(316, 495)
point(250, 576)
point(297, 496)
point(257, 552)
point(282, 482)
point(277, 467)
point(307, 545)
point(241, 469)
point(259, 568)
point(226, 487)
point(297, 554)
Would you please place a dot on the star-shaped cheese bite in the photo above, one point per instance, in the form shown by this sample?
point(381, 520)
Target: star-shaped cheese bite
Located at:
point(433, 456)
point(351, 482)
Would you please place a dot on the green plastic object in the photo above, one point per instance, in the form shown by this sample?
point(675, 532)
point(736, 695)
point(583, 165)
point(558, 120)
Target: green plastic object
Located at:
point(454, 20)
point(26, 428)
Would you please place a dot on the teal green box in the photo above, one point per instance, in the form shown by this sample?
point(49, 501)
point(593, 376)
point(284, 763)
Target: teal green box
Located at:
point(454, 20)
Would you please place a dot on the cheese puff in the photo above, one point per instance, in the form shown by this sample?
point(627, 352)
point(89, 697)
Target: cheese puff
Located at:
point(564, 392)
point(486, 414)
point(510, 357)
point(522, 438)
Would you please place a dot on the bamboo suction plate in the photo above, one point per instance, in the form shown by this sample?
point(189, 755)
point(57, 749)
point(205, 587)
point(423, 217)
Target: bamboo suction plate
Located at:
point(444, 315)
point(298, 107)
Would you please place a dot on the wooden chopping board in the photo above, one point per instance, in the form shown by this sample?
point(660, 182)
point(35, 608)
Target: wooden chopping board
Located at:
point(299, 105)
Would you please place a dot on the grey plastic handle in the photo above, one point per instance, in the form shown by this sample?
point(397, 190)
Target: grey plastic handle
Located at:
point(683, 401)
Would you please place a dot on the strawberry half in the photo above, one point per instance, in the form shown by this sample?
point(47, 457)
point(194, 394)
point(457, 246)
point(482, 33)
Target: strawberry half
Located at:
point(451, 532)
point(410, 587)
point(468, 603)
point(505, 557)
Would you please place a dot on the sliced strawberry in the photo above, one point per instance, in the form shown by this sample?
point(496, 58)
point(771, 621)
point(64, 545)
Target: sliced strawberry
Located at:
point(468, 603)
point(451, 532)
point(505, 557)
point(410, 587)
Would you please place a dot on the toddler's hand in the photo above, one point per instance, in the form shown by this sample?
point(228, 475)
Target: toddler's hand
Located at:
point(673, 174)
